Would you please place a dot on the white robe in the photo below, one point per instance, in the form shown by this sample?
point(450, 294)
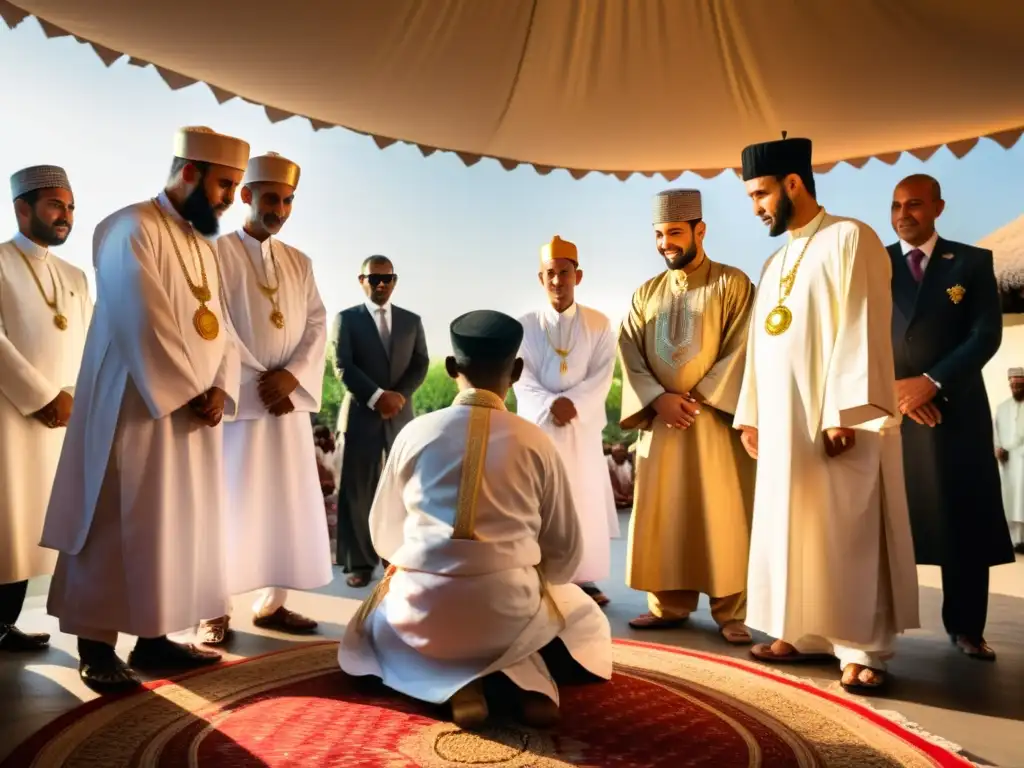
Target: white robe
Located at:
point(276, 528)
point(591, 363)
point(1009, 435)
point(524, 520)
point(823, 526)
point(37, 361)
point(136, 509)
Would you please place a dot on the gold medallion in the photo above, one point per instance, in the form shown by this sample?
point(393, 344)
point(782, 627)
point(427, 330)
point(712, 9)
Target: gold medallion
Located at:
point(778, 320)
point(277, 318)
point(206, 323)
point(60, 321)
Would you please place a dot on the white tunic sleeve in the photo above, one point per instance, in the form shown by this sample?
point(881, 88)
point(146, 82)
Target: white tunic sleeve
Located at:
point(20, 381)
point(860, 385)
point(533, 401)
point(144, 328)
point(307, 361)
point(560, 539)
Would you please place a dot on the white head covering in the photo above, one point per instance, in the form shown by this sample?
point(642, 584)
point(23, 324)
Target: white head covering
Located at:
point(204, 145)
point(1016, 373)
point(38, 177)
point(273, 168)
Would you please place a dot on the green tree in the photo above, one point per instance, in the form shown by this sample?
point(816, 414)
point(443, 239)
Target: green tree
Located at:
point(436, 392)
point(333, 392)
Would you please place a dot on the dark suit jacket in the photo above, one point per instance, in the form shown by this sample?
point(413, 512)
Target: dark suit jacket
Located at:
point(949, 326)
point(365, 367)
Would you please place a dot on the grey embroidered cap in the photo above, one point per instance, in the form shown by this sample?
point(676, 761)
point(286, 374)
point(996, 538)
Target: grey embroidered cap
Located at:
point(676, 205)
point(38, 177)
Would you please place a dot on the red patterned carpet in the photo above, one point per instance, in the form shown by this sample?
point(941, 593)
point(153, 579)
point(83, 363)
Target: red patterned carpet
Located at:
point(664, 707)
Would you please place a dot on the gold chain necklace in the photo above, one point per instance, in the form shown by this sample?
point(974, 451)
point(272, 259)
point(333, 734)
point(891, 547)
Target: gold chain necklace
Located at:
point(562, 352)
point(204, 321)
point(276, 316)
point(780, 318)
point(59, 319)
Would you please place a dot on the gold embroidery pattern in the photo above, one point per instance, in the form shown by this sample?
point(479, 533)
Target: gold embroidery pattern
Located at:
point(956, 293)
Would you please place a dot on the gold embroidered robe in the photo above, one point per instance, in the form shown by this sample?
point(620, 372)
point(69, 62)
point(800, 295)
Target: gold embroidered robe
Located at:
point(690, 528)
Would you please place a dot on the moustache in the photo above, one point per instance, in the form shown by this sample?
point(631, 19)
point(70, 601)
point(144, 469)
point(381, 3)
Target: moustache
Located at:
point(272, 219)
point(61, 223)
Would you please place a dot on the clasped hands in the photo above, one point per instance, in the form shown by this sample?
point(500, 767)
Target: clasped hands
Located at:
point(677, 411)
point(208, 408)
point(838, 440)
point(563, 411)
point(57, 412)
point(275, 389)
point(915, 396)
point(389, 404)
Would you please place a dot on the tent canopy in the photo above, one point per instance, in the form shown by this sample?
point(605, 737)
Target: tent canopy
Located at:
point(651, 86)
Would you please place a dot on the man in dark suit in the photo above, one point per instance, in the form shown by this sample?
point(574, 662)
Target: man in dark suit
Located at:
point(381, 354)
point(946, 324)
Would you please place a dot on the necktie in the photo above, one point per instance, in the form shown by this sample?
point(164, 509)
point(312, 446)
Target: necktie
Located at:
point(385, 332)
point(914, 259)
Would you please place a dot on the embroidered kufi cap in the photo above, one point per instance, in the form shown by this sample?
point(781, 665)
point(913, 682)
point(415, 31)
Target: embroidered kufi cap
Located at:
point(1016, 373)
point(559, 249)
point(777, 158)
point(38, 177)
point(273, 168)
point(485, 335)
point(204, 145)
point(676, 205)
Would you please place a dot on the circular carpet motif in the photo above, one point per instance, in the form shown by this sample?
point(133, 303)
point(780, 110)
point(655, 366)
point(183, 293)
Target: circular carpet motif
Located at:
point(664, 707)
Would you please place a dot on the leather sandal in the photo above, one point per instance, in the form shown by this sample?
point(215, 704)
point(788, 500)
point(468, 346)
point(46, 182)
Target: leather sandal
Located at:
point(763, 652)
point(863, 680)
point(736, 633)
point(214, 631)
point(650, 621)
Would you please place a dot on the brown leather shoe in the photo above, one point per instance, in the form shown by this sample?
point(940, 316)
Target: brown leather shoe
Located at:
point(161, 654)
point(469, 706)
point(214, 631)
point(284, 620)
point(537, 710)
point(14, 640)
point(973, 648)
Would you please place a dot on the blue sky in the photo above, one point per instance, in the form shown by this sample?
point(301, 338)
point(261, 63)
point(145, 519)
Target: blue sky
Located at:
point(461, 238)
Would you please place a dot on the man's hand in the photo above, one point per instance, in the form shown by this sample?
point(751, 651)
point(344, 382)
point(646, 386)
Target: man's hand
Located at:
point(677, 411)
point(209, 406)
point(389, 404)
point(914, 392)
point(838, 441)
point(57, 412)
point(1002, 455)
point(748, 436)
point(281, 407)
point(275, 386)
point(928, 415)
point(563, 410)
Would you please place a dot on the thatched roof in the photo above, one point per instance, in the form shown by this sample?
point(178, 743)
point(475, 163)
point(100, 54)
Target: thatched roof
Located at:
point(1007, 246)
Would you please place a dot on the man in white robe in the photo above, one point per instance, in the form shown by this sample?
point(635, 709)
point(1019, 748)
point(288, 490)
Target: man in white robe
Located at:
point(475, 514)
point(44, 315)
point(276, 536)
point(831, 570)
point(568, 358)
point(137, 504)
point(1009, 434)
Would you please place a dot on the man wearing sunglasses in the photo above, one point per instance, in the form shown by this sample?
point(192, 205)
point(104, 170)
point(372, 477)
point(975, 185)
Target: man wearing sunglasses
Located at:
point(381, 355)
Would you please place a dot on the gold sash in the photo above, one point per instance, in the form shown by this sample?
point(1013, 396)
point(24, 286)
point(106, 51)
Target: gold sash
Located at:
point(482, 403)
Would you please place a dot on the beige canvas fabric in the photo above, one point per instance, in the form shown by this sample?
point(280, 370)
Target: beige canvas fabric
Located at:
point(608, 85)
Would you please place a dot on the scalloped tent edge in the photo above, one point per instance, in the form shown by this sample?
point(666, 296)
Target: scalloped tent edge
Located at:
point(13, 17)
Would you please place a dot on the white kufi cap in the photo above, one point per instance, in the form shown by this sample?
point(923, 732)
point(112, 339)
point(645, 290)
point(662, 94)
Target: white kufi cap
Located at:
point(203, 145)
point(273, 168)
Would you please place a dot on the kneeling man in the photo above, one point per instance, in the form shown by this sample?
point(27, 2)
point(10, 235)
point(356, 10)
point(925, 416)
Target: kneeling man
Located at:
point(475, 514)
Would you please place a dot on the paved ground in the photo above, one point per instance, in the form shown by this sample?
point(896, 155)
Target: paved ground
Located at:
point(980, 706)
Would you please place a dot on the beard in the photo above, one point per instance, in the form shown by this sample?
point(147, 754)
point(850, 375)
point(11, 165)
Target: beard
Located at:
point(198, 212)
point(681, 258)
point(782, 216)
point(1018, 394)
point(47, 233)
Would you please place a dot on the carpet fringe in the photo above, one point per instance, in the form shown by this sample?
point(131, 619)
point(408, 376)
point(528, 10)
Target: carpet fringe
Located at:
point(901, 720)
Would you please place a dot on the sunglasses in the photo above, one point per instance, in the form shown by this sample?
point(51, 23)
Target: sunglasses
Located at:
point(375, 280)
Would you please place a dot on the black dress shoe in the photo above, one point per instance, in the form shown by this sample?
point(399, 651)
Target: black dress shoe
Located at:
point(162, 654)
point(107, 674)
point(13, 639)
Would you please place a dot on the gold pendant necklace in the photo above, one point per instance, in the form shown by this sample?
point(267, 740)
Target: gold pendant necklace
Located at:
point(780, 318)
point(204, 321)
point(59, 320)
point(270, 292)
point(562, 352)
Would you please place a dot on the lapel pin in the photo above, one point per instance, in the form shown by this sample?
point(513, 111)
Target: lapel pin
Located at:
point(956, 293)
point(947, 255)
